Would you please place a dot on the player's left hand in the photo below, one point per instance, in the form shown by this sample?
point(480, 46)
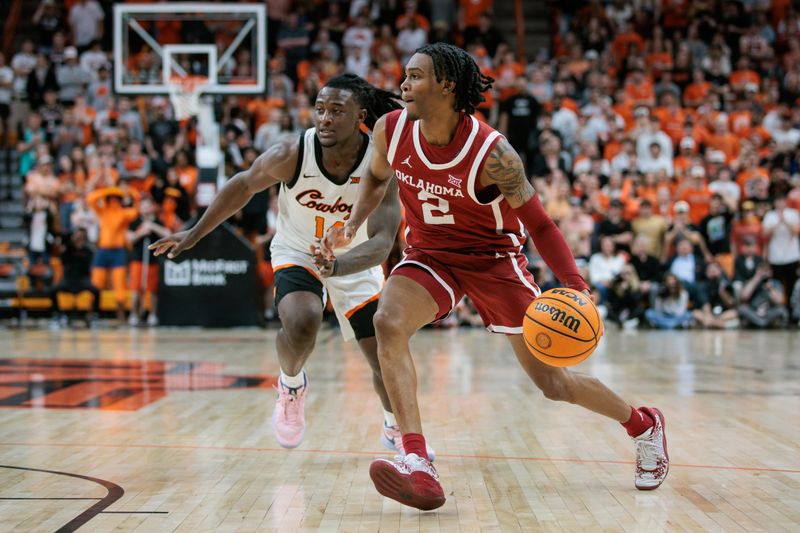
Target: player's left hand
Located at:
point(337, 237)
point(592, 297)
point(323, 264)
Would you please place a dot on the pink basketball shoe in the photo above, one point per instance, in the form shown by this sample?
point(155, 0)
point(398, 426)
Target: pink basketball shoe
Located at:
point(288, 418)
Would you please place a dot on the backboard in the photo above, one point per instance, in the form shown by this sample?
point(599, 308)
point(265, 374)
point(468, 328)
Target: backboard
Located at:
point(158, 44)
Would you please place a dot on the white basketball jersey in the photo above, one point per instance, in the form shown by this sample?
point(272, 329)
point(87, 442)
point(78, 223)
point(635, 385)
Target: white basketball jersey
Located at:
point(312, 202)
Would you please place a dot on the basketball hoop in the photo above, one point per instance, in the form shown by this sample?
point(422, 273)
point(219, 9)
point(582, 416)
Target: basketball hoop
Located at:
point(184, 93)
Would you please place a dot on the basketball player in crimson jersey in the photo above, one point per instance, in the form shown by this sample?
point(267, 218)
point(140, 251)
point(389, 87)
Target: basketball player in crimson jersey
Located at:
point(466, 199)
point(318, 176)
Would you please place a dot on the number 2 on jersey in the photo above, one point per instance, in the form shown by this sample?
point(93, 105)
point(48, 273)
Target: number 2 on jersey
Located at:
point(320, 230)
point(437, 205)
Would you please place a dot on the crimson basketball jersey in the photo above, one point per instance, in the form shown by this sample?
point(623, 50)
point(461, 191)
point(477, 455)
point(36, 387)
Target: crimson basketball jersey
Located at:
point(446, 207)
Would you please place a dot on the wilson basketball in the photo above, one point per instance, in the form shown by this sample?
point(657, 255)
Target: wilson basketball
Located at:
point(562, 327)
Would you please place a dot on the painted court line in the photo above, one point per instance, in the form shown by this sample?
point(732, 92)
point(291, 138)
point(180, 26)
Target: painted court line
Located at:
point(371, 453)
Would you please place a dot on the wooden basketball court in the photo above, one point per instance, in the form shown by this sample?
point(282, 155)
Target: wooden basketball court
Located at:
point(170, 430)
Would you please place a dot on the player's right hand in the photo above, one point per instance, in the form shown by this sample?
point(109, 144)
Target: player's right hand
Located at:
point(336, 237)
point(172, 245)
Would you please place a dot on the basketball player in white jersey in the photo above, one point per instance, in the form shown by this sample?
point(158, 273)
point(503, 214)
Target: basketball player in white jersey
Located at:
point(318, 176)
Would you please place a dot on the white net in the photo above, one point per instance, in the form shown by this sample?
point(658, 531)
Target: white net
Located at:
point(185, 97)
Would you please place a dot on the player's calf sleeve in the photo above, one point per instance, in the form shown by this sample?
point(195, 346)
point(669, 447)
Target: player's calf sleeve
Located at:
point(551, 243)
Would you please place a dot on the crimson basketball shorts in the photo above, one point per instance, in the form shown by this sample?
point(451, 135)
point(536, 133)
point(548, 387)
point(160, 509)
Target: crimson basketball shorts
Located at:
point(499, 284)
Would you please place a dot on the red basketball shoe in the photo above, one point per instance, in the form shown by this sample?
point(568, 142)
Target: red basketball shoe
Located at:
point(392, 439)
point(652, 460)
point(410, 480)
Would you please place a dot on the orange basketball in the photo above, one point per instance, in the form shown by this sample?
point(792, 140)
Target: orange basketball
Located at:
point(562, 327)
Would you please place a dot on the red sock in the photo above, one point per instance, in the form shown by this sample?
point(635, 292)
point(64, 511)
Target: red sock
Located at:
point(415, 443)
point(638, 423)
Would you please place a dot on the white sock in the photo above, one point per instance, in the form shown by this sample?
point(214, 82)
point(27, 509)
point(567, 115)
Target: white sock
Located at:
point(293, 382)
point(388, 418)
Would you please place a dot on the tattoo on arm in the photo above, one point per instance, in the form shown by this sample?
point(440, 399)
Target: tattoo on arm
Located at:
point(504, 168)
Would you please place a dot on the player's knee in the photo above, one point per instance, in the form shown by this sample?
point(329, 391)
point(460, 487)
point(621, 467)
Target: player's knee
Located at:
point(301, 330)
point(556, 386)
point(387, 327)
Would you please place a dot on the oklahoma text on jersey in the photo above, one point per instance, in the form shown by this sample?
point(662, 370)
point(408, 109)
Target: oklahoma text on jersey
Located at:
point(446, 206)
point(433, 188)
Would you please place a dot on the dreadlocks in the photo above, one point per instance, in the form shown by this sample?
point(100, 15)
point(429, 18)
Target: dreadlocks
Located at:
point(376, 102)
point(454, 64)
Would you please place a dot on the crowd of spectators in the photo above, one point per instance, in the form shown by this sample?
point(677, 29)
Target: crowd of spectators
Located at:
point(667, 149)
point(661, 136)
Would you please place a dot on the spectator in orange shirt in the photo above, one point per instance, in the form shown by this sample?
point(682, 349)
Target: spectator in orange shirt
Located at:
point(744, 75)
point(639, 87)
point(750, 175)
point(747, 227)
point(647, 189)
point(112, 256)
point(659, 55)
point(507, 73)
point(577, 63)
point(741, 118)
point(85, 116)
point(410, 14)
point(187, 173)
point(589, 186)
point(695, 93)
point(685, 158)
point(469, 12)
point(671, 116)
point(696, 194)
point(627, 41)
point(723, 140)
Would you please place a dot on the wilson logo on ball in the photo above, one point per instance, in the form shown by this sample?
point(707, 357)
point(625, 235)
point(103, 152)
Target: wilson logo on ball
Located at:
point(558, 315)
point(576, 334)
